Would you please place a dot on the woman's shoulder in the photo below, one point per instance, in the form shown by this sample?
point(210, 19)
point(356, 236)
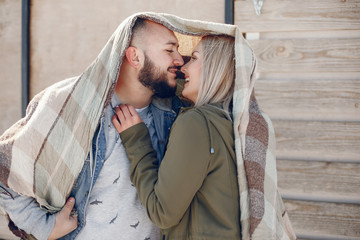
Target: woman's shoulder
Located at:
point(205, 111)
point(190, 114)
point(202, 114)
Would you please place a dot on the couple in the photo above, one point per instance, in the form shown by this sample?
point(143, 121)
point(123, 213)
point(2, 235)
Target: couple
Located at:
point(207, 185)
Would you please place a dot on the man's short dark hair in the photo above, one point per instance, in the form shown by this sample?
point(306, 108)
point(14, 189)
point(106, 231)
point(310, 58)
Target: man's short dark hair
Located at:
point(139, 26)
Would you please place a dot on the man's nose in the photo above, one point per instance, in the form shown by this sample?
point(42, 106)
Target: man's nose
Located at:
point(178, 60)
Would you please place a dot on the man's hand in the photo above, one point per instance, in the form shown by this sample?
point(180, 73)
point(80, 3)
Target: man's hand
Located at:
point(126, 117)
point(64, 222)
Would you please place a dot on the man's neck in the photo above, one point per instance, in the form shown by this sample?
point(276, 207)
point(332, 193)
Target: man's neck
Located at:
point(130, 91)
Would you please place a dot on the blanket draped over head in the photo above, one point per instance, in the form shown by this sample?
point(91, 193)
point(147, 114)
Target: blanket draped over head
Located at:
point(42, 154)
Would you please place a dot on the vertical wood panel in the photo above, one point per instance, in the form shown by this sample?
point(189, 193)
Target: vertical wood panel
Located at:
point(10, 65)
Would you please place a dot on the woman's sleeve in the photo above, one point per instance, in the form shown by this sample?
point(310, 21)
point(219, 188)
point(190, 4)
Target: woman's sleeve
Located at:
point(168, 190)
point(26, 213)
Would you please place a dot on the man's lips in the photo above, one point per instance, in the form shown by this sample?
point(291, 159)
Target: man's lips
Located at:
point(172, 70)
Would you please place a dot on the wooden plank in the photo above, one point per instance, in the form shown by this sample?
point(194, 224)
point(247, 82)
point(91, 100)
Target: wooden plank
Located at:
point(320, 218)
point(307, 55)
point(298, 15)
point(309, 76)
point(337, 100)
point(319, 180)
point(321, 198)
point(318, 140)
point(338, 34)
point(307, 236)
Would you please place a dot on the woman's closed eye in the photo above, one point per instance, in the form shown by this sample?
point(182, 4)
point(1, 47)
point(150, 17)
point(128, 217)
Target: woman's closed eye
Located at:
point(193, 59)
point(194, 56)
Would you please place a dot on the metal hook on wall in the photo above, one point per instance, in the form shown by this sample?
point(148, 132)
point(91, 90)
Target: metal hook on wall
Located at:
point(258, 5)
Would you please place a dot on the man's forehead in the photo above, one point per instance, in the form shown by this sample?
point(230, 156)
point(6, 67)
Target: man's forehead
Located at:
point(172, 43)
point(158, 28)
point(161, 34)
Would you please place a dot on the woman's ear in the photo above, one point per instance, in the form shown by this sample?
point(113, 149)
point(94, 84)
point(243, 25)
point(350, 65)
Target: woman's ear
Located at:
point(134, 56)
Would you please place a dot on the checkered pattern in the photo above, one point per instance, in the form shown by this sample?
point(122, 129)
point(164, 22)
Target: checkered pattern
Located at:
point(42, 154)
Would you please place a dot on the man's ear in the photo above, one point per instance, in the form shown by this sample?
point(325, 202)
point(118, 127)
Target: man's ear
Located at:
point(134, 56)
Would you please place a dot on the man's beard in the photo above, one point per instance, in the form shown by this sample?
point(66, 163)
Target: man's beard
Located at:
point(157, 81)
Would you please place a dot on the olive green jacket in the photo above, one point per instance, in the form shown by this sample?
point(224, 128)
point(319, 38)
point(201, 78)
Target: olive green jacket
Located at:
point(194, 193)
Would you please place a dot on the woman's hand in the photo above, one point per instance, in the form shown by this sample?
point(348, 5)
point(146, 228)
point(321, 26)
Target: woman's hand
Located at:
point(65, 222)
point(126, 117)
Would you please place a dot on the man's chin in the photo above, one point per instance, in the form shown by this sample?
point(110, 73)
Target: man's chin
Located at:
point(165, 91)
point(172, 81)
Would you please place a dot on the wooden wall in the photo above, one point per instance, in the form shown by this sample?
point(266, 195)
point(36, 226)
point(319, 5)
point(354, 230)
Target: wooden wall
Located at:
point(67, 35)
point(10, 57)
point(10, 75)
point(309, 83)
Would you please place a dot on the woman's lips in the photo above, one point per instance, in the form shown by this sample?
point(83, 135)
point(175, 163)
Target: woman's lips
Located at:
point(186, 81)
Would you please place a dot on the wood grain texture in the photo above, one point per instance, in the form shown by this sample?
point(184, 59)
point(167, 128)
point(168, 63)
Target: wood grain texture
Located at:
point(318, 140)
point(335, 100)
point(308, 75)
point(320, 179)
point(307, 55)
point(320, 218)
point(298, 15)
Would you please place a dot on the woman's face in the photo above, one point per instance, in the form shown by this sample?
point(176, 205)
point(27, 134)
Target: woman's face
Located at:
point(192, 71)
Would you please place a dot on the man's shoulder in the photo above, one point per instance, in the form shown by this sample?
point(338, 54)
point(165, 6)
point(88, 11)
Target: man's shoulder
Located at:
point(168, 104)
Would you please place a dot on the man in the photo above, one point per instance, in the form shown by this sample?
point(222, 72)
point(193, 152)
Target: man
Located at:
point(104, 198)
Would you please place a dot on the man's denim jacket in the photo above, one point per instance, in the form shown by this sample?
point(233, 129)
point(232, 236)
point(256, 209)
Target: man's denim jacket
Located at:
point(163, 115)
point(163, 119)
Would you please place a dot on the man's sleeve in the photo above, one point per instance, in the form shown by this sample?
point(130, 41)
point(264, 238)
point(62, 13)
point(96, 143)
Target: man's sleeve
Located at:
point(26, 213)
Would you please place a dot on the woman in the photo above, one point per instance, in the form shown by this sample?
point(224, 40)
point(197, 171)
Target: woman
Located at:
point(194, 193)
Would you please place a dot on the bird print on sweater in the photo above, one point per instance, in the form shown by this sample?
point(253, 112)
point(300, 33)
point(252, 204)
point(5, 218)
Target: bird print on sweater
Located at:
point(96, 202)
point(116, 179)
point(113, 220)
point(135, 225)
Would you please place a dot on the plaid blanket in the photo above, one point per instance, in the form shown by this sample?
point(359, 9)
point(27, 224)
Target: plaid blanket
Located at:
point(42, 154)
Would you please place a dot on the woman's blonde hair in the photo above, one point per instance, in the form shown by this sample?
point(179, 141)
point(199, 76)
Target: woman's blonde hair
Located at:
point(217, 71)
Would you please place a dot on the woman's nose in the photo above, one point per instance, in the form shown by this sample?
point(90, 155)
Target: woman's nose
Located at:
point(183, 69)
